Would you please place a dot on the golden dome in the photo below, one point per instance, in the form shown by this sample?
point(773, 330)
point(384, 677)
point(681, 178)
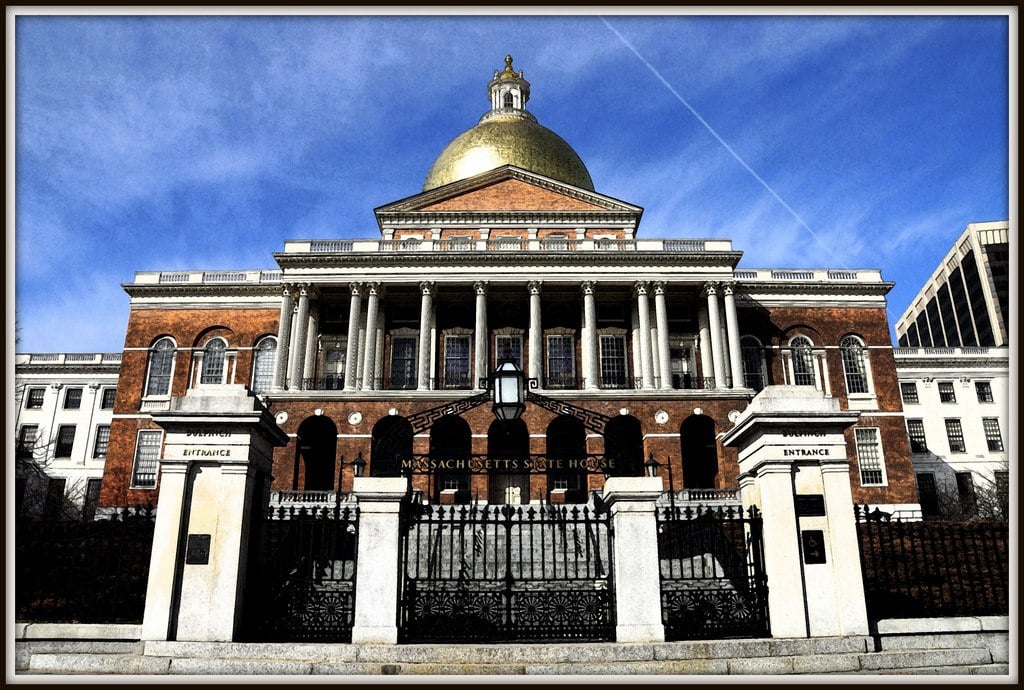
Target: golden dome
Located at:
point(508, 135)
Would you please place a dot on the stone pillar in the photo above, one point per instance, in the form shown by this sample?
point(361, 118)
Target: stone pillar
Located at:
point(312, 346)
point(704, 340)
point(370, 349)
point(377, 558)
point(536, 334)
point(589, 343)
point(732, 329)
point(795, 470)
point(352, 344)
point(217, 453)
point(301, 326)
point(643, 307)
point(284, 336)
point(664, 354)
point(481, 369)
point(715, 326)
point(637, 581)
point(423, 356)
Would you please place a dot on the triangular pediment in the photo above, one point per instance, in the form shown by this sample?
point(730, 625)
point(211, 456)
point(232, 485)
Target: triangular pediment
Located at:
point(506, 189)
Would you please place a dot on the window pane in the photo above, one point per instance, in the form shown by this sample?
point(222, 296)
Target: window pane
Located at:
point(161, 360)
point(915, 429)
point(753, 364)
point(561, 366)
point(955, 434)
point(909, 392)
point(803, 362)
point(509, 347)
point(928, 494)
point(27, 440)
point(263, 366)
point(35, 398)
point(869, 456)
point(213, 362)
point(984, 389)
point(853, 365)
point(992, 435)
point(65, 441)
point(147, 459)
point(403, 362)
point(73, 399)
point(108, 398)
point(102, 441)
point(965, 489)
point(946, 392)
point(456, 361)
point(613, 362)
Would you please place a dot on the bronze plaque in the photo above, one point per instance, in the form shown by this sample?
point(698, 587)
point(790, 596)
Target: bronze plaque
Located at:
point(197, 549)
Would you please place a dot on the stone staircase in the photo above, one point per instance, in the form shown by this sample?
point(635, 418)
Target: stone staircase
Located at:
point(840, 655)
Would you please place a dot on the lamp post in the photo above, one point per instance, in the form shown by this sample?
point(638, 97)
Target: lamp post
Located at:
point(358, 466)
point(652, 466)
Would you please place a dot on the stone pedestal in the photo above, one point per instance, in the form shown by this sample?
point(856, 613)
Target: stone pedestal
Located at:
point(377, 558)
point(217, 458)
point(637, 581)
point(794, 468)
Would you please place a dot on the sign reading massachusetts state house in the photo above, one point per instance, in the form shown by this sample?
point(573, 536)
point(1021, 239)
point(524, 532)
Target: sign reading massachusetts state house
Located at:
point(525, 465)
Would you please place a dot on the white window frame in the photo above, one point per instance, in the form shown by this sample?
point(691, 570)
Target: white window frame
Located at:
point(960, 432)
point(750, 343)
point(153, 350)
point(990, 397)
point(103, 395)
point(860, 400)
point(512, 338)
point(571, 382)
point(135, 459)
point(919, 425)
point(603, 338)
point(917, 395)
point(858, 432)
point(952, 392)
point(997, 436)
point(458, 385)
point(262, 348)
point(28, 398)
point(96, 441)
point(413, 378)
point(57, 443)
point(812, 360)
point(199, 362)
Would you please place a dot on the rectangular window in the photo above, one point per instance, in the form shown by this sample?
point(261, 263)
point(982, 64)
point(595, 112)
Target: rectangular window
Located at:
point(65, 441)
point(403, 362)
point(909, 392)
point(992, 435)
point(72, 398)
point(508, 347)
point(561, 362)
point(984, 390)
point(34, 400)
point(108, 398)
point(915, 429)
point(92, 499)
point(928, 495)
point(613, 362)
point(456, 361)
point(27, 440)
point(54, 508)
point(869, 456)
point(1002, 478)
point(147, 460)
point(946, 392)
point(965, 489)
point(99, 449)
point(955, 434)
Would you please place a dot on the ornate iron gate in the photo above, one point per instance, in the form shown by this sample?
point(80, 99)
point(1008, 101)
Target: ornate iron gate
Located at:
point(499, 573)
point(712, 573)
point(305, 569)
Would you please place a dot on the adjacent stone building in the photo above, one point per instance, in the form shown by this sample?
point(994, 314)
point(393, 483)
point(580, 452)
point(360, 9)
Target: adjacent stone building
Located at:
point(379, 348)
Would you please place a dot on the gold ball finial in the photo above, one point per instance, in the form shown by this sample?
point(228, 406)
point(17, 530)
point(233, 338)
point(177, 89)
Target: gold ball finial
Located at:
point(508, 72)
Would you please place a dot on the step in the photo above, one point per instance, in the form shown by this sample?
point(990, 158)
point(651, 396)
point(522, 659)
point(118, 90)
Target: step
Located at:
point(24, 650)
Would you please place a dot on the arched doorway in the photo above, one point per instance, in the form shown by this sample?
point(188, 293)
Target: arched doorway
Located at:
point(566, 440)
point(699, 450)
point(624, 443)
point(507, 440)
point(391, 440)
point(451, 441)
point(316, 448)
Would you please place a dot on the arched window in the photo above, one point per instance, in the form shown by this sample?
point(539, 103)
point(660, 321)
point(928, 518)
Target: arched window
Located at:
point(567, 440)
point(624, 445)
point(507, 440)
point(753, 363)
point(451, 439)
point(507, 100)
point(390, 443)
point(854, 364)
point(264, 357)
point(161, 367)
point(803, 361)
point(316, 448)
point(700, 452)
point(213, 361)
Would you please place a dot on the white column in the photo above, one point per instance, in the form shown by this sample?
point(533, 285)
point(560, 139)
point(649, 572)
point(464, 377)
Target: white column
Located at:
point(851, 606)
point(481, 370)
point(301, 326)
point(732, 329)
point(159, 605)
point(631, 502)
point(370, 349)
point(661, 317)
point(704, 338)
point(312, 343)
point(426, 342)
point(643, 307)
point(536, 335)
point(284, 336)
point(377, 559)
point(352, 344)
point(715, 325)
point(589, 344)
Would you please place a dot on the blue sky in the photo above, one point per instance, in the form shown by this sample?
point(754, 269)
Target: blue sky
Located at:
point(183, 142)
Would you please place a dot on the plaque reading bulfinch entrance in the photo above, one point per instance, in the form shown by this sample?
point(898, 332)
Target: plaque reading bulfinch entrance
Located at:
point(197, 549)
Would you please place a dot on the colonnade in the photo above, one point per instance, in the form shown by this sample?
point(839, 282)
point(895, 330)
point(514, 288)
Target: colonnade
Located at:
point(718, 338)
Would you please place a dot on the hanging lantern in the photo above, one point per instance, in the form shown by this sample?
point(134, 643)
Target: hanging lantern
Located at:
point(508, 388)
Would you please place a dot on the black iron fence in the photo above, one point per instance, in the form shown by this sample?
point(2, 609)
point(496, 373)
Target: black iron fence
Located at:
point(713, 583)
point(506, 573)
point(933, 568)
point(83, 572)
point(302, 578)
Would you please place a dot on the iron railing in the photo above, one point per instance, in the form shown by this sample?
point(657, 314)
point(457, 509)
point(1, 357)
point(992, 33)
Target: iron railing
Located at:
point(915, 569)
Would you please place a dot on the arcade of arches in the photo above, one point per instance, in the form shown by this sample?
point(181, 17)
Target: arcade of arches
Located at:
point(318, 466)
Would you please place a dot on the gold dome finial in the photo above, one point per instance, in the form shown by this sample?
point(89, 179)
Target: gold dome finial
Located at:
point(509, 72)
